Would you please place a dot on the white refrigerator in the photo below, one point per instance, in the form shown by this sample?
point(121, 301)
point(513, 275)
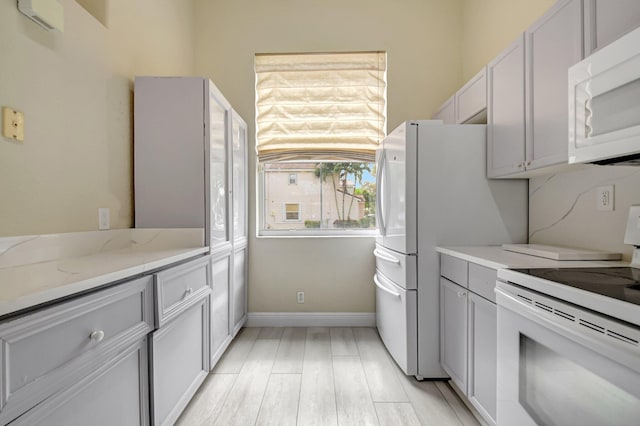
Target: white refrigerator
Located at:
point(433, 191)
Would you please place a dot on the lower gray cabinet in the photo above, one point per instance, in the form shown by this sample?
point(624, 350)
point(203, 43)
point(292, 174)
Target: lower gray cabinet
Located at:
point(179, 361)
point(453, 332)
point(114, 393)
point(220, 330)
point(239, 293)
point(482, 356)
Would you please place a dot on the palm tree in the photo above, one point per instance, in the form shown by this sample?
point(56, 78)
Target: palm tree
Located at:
point(341, 171)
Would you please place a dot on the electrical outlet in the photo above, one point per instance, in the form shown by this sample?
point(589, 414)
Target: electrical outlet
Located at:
point(605, 198)
point(103, 218)
point(300, 296)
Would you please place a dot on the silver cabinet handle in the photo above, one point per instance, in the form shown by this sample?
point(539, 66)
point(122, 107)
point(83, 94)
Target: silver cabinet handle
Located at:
point(380, 255)
point(383, 288)
point(462, 293)
point(97, 335)
point(188, 291)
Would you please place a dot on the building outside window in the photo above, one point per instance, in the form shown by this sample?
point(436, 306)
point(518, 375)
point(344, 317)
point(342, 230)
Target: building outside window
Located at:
point(319, 120)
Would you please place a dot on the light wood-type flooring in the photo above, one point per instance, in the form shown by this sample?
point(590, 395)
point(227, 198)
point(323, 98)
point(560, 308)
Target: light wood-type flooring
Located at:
point(318, 376)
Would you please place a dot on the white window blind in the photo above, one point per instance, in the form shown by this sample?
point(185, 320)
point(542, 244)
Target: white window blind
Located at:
point(320, 106)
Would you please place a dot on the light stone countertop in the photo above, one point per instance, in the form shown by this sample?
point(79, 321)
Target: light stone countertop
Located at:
point(46, 268)
point(497, 258)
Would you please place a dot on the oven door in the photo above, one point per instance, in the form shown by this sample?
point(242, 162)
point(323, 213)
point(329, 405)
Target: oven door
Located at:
point(561, 365)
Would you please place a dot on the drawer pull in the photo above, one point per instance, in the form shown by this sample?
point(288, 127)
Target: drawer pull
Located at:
point(188, 291)
point(97, 336)
point(380, 255)
point(462, 293)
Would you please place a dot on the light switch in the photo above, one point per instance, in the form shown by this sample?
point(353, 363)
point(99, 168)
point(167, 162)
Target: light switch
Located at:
point(12, 124)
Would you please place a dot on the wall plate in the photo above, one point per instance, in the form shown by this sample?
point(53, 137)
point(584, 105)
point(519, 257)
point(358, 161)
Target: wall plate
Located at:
point(12, 124)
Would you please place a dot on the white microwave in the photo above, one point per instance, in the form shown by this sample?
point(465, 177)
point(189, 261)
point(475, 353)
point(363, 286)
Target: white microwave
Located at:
point(604, 105)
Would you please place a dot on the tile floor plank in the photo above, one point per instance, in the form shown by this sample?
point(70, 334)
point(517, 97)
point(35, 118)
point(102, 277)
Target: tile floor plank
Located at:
point(207, 402)
point(456, 404)
point(343, 342)
point(271, 333)
point(245, 397)
point(291, 351)
point(396, 414)
point(353, 399)
point(280, 402)
point(378, 367)
point(317, 391)
point(428, 403)
point(235, 355)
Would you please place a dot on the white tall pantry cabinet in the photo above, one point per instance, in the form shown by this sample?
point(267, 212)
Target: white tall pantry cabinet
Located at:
point(190, 166)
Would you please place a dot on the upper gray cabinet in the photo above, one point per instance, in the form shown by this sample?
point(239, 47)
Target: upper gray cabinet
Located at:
point(606, 21)
point(506, 112)
point(528, 102)
point(467, 105)
point(553, 44)
point(447, 112)
point(181, 156)
point(471, 100)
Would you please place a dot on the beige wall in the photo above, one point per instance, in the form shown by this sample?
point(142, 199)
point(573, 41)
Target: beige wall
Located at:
point(75, 89)
point(422, 39)
point(489, 26)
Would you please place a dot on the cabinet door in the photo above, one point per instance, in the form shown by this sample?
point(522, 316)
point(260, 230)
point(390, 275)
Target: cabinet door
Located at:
point(219, 117)
point(506, 112)
point(239, 295)
point(482, 356)
point(179, 361)
point(116, 392)
point(453, 332)
point(471, 100)
point(553, 44)
point(239, 193)
point(220, 332)
point(447, 112)
point(606, 21)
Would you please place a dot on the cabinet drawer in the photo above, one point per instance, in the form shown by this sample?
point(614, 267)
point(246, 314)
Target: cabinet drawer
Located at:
point(482, 281)
point(48, 350)
point(454, 269)
point(402, 269)
point(179, 287)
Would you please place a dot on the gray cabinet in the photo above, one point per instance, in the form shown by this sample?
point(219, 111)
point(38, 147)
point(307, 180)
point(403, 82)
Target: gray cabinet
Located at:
point(553, 44)
point(606, 21)
point(482, 379)
point(471, 100)
point(219, 306)
point(182, 156)
point(180, 345)
point(75, 336)
point(453, 332)
point(114, 391)
point(468, 331)
point(527, 101)
point(506, 111)
point(239, 290)
point(447, 112)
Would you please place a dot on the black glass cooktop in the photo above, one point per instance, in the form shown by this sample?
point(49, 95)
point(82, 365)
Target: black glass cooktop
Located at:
point(620, 283)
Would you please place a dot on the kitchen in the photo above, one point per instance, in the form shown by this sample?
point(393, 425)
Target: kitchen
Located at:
point(76, 92)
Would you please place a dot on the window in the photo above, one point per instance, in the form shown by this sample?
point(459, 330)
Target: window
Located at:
point(319, 120)
point(292, 211)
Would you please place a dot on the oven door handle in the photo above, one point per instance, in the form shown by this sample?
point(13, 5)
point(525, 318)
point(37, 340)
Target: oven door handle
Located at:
point(622, 353)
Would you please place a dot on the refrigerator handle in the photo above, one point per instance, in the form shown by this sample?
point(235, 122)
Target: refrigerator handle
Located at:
point(379, 195)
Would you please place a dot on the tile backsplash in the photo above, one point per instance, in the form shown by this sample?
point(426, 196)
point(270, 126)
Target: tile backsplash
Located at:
point(563, 209)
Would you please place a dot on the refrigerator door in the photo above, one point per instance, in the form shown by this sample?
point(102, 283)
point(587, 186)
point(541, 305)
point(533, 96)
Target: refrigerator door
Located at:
point(397, 177)
point(397, 322)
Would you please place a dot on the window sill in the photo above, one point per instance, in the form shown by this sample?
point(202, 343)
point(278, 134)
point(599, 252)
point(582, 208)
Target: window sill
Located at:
point(318, 234)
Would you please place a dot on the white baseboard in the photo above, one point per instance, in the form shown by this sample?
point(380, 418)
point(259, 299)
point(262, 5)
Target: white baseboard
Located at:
point(311, 319)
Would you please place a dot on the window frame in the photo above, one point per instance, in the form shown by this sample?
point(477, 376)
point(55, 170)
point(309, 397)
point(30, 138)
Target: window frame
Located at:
point(284, 211)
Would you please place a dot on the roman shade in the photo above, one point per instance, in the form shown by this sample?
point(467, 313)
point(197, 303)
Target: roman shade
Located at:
point(320, 106)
